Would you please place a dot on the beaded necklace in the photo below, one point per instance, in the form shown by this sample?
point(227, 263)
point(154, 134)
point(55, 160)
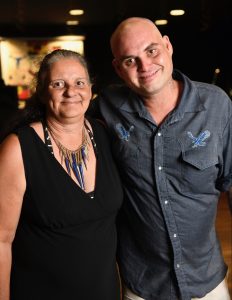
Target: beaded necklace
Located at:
point(75, 160)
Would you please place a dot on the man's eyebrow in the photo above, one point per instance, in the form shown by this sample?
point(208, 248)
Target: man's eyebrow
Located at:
point(133, 56)
point(126, 57)
point(151, 45)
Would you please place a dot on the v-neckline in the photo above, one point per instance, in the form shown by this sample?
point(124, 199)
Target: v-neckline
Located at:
point(65, 172)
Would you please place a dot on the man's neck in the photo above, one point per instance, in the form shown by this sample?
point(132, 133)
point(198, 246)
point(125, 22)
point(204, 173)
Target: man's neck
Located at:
point(161, 104)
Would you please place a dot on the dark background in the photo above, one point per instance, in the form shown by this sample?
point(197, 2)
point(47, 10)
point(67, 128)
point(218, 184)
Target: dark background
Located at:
point(201, 38)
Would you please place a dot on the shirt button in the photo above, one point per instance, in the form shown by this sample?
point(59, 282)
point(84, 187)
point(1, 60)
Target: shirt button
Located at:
point(175, 235)
point(159, 133)
point(178, 266)
point(160, 168)
point(166, 202)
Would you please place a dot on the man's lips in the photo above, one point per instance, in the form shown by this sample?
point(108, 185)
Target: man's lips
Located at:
point(148, 76)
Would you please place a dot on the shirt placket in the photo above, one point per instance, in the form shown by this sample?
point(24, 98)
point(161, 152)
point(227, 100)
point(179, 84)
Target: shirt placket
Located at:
point(166, 207)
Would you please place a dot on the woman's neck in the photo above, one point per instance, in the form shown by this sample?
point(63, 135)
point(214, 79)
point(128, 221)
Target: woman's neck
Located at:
point(68, 133)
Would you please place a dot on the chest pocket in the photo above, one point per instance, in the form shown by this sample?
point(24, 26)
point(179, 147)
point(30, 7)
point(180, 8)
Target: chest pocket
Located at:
point(132, 154)
point(199, 167)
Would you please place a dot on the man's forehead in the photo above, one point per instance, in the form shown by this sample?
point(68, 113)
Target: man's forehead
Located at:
point(134, 36)
point(134, 46)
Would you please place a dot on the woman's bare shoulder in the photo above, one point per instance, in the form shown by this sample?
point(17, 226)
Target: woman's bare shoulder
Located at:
point(9, 145)
point(11, 155)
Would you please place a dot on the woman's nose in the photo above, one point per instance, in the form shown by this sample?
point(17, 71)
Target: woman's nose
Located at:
point(71, 90)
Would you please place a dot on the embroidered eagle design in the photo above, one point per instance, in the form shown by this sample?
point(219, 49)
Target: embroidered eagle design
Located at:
point(200, 139)
point(123, 134)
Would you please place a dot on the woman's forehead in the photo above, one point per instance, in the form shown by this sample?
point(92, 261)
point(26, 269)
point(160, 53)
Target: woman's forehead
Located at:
point(67, 65)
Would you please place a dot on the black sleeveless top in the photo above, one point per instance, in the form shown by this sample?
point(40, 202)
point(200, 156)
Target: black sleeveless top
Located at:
point(65, 243)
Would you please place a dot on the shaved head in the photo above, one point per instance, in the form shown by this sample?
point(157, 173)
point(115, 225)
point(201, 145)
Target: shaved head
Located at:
point(129, 27)
point(142, 56)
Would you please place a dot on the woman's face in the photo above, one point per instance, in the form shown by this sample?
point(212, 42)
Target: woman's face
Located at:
point(69, 89)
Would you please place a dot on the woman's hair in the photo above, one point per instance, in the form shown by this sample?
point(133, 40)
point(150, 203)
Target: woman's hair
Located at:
point(42, 75)
point(36, 106)
point(35, 109)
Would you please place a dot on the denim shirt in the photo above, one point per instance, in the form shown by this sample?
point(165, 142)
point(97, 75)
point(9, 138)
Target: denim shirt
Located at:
point(172, 176)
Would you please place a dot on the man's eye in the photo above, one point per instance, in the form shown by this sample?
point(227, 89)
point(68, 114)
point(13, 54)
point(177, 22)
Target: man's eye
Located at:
point(129, 62)
point(57, 84)
point(152, 52)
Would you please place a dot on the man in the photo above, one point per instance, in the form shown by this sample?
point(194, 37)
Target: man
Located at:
point(172, 141)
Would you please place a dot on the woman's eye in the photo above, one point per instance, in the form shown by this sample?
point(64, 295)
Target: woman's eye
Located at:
point(57, 84)
point(80, 83)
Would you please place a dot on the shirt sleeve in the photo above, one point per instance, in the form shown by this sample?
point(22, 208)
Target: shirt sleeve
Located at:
point(225, 181)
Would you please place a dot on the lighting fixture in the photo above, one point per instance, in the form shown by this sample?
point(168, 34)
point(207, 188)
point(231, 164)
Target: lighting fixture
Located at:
point(72, 22)
point(71, 37)
point(161, 22)
point(76, 12)
point(177, 12)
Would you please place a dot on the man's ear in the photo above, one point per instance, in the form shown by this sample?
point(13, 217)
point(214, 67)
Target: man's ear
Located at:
point(116, 66)
point(168, 44)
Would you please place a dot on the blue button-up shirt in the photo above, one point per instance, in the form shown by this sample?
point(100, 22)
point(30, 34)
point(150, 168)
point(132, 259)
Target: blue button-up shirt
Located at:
point(172, 176)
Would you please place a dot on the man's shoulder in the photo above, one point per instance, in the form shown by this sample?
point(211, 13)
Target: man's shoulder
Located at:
point(203, 89)
point(115, 90)
point(113, 95)
point(110, 97)
point(213, 93)
point(209, 88)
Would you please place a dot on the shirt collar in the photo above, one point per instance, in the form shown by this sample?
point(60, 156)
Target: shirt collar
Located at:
point(190, 100)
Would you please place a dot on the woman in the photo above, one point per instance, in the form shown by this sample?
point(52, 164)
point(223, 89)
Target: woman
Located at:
point(59, 194)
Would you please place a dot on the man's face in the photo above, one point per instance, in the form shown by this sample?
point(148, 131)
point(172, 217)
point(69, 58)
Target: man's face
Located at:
point(143, 59)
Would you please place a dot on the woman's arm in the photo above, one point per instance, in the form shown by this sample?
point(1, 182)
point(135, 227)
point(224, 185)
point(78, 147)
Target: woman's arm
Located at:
point(12, 188)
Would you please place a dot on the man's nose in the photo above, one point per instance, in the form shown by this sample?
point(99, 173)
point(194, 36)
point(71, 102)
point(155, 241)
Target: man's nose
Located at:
point(144, 64)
